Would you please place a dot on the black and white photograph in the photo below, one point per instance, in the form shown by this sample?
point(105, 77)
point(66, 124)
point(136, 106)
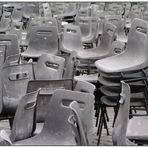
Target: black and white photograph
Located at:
point(73, 73)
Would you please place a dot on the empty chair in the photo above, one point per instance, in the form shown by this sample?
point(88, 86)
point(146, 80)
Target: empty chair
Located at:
point(56, 130)
point(23, 127)
point(72, 41)
point(49, 67)
point(120, 128)
point(136, 51)
point(48, 87)
point(43, 40)
point(14, 85)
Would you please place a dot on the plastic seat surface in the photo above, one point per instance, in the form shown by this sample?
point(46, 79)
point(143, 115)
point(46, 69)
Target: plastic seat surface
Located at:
point(56, 130)
point(136, 51)
point(137, 128)
point(93, 78)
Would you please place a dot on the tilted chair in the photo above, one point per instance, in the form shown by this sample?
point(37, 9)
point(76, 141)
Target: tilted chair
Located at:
point(120, 128)
point(77, 124)
point(22, 128)
point(48, 87)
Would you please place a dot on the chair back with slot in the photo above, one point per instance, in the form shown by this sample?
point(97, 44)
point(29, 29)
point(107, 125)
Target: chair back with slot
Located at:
point(43, 40)
point(107, 37)
point(71, 38)
point(49, 67)
point(57, 121)
point(15, 79)
point(24, 120)
point(120, 127)
point(48, 88)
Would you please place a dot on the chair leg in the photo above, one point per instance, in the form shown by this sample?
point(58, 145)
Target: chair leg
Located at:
point(100, 129)
point(11, 122)
point(115, 115)
point(97, 114)
point(107, 118)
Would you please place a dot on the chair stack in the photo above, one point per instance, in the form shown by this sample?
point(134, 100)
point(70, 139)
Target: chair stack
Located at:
point(131, 64)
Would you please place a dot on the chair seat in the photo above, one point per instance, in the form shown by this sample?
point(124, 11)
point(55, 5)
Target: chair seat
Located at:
point(126, 74)
point(92, 54)
point(88, 39)
point(121, 63)
point(137, 128)
point(93, 78)
point(107, 82)
point(112, 102)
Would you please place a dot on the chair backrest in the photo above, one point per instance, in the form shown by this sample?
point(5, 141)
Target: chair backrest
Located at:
point(23, 124)
point(43, 21)
point(56, 120)
point(82, 131)
point(4, 24)
point(120, 127)
point(47, 10)
point(69, 70)
point(85, 24)
point(30, 10)
point(48, 87)
point(15, 80)
point(84, 86)
point(72, 38)
point(114, 19)
point(43, 40)
point(49, 67)
point(10, 42)
point(137, 44)
point(17, 14)
point(83, 12)
point(107, 37)
point(16, 28)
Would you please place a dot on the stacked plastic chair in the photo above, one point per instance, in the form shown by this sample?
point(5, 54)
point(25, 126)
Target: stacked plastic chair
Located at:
point(132, 63)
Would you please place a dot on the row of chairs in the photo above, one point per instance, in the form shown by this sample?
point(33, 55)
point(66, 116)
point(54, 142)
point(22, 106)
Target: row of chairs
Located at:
point(100, 46)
